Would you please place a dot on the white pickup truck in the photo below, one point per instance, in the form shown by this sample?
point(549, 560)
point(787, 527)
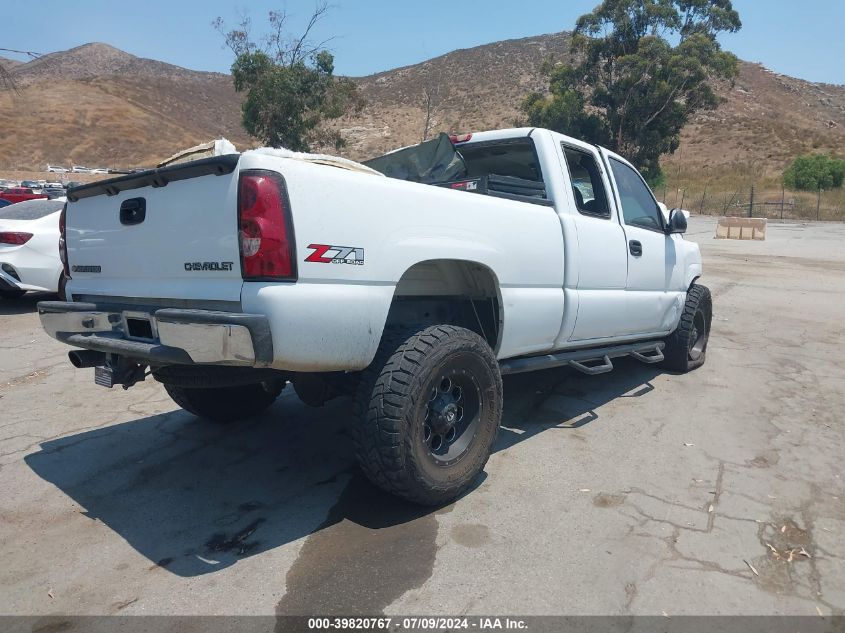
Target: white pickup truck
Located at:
point(411, 284)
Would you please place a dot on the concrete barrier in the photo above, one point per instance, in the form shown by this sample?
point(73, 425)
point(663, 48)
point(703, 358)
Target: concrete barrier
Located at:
point(741, 229)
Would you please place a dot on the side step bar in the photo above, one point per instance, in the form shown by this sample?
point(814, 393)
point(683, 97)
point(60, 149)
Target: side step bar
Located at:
point(584, 360)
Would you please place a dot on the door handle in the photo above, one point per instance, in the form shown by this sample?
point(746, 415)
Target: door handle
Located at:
point(133, 211)
point(635, 247)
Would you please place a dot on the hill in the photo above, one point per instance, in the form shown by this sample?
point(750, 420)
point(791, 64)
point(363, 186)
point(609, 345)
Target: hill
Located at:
point(96, 104)
point(9, 63)
point(765, 121)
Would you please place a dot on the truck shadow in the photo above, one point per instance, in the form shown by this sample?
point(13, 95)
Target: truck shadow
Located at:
point(195, 497)
point(27, 304)
point(566, 399)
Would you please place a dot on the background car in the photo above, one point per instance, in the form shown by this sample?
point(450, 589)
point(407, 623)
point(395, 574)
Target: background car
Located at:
point(4, 203)
point(20, 194)
point(53, 193)
point(31, 184)
point(29, 248)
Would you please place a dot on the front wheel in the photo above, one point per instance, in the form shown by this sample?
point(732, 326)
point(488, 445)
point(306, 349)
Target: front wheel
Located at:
point(430, 405)
point(225, 404)
point(686, 347)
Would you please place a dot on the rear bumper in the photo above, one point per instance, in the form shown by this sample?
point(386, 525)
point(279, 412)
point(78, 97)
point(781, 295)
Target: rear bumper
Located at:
point(173, 336)
point(25, 268)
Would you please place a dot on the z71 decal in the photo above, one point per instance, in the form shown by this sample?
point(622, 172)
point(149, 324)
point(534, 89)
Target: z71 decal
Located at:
point(327, 254)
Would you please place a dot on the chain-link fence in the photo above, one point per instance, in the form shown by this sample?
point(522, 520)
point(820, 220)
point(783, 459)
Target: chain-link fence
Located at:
point(758, 203)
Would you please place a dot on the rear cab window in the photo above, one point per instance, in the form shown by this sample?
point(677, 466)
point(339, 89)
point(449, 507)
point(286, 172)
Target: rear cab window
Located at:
point(505, 168)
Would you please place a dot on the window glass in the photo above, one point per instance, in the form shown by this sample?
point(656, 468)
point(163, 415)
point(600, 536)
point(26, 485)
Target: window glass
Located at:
point(30, 209)
point(587, 186)
point(639, 208)
point(515, 158)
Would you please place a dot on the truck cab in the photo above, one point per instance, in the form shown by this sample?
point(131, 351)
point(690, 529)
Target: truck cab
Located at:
point(625, 269)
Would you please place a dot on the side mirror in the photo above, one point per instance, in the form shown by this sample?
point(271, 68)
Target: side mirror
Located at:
point(677, 222)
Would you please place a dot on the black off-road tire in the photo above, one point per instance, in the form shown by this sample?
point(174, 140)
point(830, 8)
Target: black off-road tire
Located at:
point(215, 376)
point(394, 401)
point(686, 347)
point(12, 294)
point(225, 404)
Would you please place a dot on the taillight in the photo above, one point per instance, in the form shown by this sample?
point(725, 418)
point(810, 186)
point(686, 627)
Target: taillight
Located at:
point(63, 240)
point(265, 233)
point(16, 239)
point(459, 138)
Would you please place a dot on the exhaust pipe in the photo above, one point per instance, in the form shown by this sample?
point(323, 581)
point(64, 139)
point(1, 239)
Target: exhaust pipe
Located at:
point(84, 358)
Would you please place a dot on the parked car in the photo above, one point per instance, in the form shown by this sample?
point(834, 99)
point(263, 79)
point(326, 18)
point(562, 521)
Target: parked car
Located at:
point(54, 193)
point(19, 194)
point(57, 170)
point(496, 253)
point(29, 253)
point(72, 183)
point(79, 169)
point(31, 184)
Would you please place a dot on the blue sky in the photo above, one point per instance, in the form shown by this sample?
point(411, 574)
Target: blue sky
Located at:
point(802, 39)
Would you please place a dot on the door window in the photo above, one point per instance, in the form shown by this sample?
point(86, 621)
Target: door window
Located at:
point(587, 186)
point(639, 208)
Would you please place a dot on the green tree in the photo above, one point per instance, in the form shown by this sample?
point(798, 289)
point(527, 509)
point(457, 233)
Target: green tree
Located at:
point(289, 82)
point(814, 172)
point(633, 89)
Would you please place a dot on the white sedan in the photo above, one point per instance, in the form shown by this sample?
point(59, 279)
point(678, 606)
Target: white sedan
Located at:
point(29, 248)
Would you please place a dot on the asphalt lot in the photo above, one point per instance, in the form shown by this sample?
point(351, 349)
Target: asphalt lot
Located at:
point(717, 492)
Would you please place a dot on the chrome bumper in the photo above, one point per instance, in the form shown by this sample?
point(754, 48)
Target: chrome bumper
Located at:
point(161, 336)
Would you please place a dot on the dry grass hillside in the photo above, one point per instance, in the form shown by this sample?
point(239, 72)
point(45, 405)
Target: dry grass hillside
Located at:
point(473, 89)
point(98, 105)
point(766, 120)
point(9, 63)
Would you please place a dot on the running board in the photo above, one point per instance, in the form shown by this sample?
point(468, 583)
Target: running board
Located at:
point(584, 359)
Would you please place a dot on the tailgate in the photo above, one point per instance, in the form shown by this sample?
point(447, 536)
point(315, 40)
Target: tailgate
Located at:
point(165, 233)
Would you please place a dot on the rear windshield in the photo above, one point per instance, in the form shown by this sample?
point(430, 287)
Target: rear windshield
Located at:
point(515, 158)
point(505, 168)
point(30, 209)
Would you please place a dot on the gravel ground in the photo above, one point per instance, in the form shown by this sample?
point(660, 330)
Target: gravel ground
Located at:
point(641, 492)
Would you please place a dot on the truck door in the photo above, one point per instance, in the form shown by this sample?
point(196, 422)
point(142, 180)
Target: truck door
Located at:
point(651, 297)
point(601, 268)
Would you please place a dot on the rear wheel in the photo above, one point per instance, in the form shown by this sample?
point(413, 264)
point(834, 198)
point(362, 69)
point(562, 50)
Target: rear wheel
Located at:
point(430, 406)
point(226, 404)
point(686, 347)
point(12, 294)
